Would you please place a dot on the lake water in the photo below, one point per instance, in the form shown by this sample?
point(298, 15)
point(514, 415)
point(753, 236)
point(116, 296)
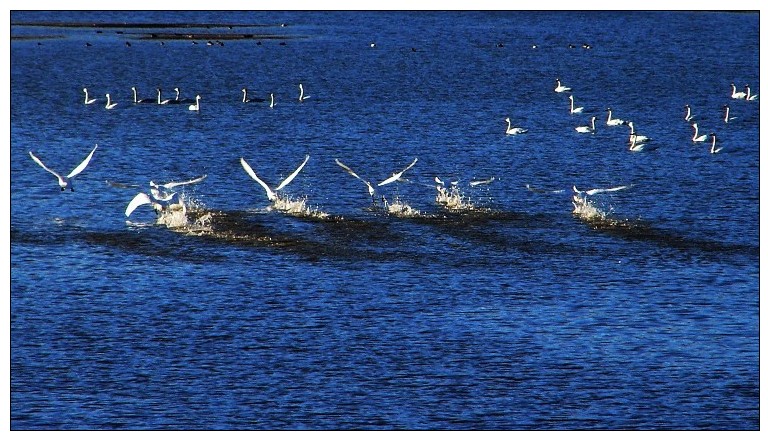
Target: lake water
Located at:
point(516, 313)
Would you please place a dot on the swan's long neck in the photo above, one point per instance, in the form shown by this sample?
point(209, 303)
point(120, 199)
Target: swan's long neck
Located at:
point(571, 98)
point(714, 140)
point(135, 98)
point(733, 89)
point(245, 94)
point(593, 124)
point(695, 131)
point(109, 100)
point(609, 114)
point(86, 95)
point(727, 113)
point(158, 96)
point(509, 125)
point(271, 100)
point(178, 93)
point(687, 113)
point(301, 92)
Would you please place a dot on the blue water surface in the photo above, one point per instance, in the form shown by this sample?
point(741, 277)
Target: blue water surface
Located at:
point(517, 315)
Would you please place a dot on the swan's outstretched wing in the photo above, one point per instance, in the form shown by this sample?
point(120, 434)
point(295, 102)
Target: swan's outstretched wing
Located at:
point(40, 163)
point(82, 165)
point(270, 194)
point(396, 176)
point(480, 182)
point(138, 200)
point(159, 195)
point(439, 181)
point(371, 190)
point(181, 183)
point(537, 190)
point(611, 189)
point(293, 175)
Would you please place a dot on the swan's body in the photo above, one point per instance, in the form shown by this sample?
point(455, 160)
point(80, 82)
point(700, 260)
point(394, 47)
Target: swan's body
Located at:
point(195, 107)
point(110, 104)
point(587, 129)
point(688, 115)
point(737, 95)
point(514, 130)
point(396, 176)
point(713, 148)
point(634, 137)
point(88, 100)
point(371, 189)
point(302, 97)
point(66, 181)
point(636, 146)
point(696, 137)
point(750, 97)
point(560, 87)
point(143, 100)
point(158, 204)
point(271, 195)
point(613, 121)
point(728, 116)
point(576, 110)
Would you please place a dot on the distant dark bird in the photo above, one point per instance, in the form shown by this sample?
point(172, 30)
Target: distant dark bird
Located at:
point(586, 46)
point(282, 25)
point(194, 42)
point(571, 46)
point(535, 46)
point(162, 43)
point(127, 44)
point(88, 44)
point(258, 43)
point(282, 43)
point(209, 43)
point(500, 45)
point(39, 44)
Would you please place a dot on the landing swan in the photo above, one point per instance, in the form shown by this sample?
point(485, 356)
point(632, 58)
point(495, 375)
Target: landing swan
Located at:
point(396, 176)
point(66, 181)
point(587, 129)
point(88, 100)
point(514, 130)
point(271, 195)
point(560, 87)
point(577, 110)
point(110, 104)
point(696, 138)
point(613, 121)
point(195, 107)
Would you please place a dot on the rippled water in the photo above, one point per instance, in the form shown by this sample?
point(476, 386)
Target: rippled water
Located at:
point(519, 314)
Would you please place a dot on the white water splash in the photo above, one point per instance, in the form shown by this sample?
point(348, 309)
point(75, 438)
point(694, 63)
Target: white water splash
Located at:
point(453, 199)
point(297, 207)
point(400, 209)
point(585, 210)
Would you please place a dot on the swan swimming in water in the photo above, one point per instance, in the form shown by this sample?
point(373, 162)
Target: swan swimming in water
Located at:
point(110, 104)
point(180, 100)
point(728, 116)
point(577, 110)
point(714, 149)
point(613, 121)
point(750, 97)
point(636, 146)
point(88, 100)
point(195, 107)
point(271, 100)
point(166, 101)
point(688, 115)
point(737, 95)
point(302, 97)
point(396, 176)
point(587, 129)
point(271, 195)
point(66, 181)
point(634, 137)
point(247, 99)
point(514, 130)
point(136, 100)
point(560, 87)
point(696, 138)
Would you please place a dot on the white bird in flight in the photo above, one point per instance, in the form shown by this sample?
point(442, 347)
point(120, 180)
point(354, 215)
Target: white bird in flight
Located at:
point(600, 190)
point(371, 189)
point(66, 181)
point(481, 182)
point(142, 198)
point(271, 195)
point(159, 190)
point(397, 175)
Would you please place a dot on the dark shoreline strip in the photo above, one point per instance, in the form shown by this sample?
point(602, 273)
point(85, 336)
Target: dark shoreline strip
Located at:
point(141, 25)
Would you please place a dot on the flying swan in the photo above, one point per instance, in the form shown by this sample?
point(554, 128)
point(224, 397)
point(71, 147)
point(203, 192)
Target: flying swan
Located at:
point(66, 181)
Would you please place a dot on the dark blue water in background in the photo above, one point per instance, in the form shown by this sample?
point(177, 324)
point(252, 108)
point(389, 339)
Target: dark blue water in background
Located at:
point(520, 317)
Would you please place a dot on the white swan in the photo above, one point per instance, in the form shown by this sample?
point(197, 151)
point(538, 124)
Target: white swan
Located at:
point(560, 87)
point(195, 107)
point(737, 95)
point(161, 101)
point(142, 198)
point(302, 97)
point(66, 181)
point(271, 195)
point(271, 100)
point(247, 99)
point(600, 190)
point(514, 130)
point(110, 104)
point(636, 146)
point(482, 182)
point(634, 137)
point(159, 190)
point(750, 97)
point(728, 116)
point(88, 100)
point(180, 100)
point(136, 99)
point(396, 176)
point(371, 189)
point(696, 138)
point(714, 149)
point(587, 129)
point(577, 110)
point(688, 115)
point(613, 121)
